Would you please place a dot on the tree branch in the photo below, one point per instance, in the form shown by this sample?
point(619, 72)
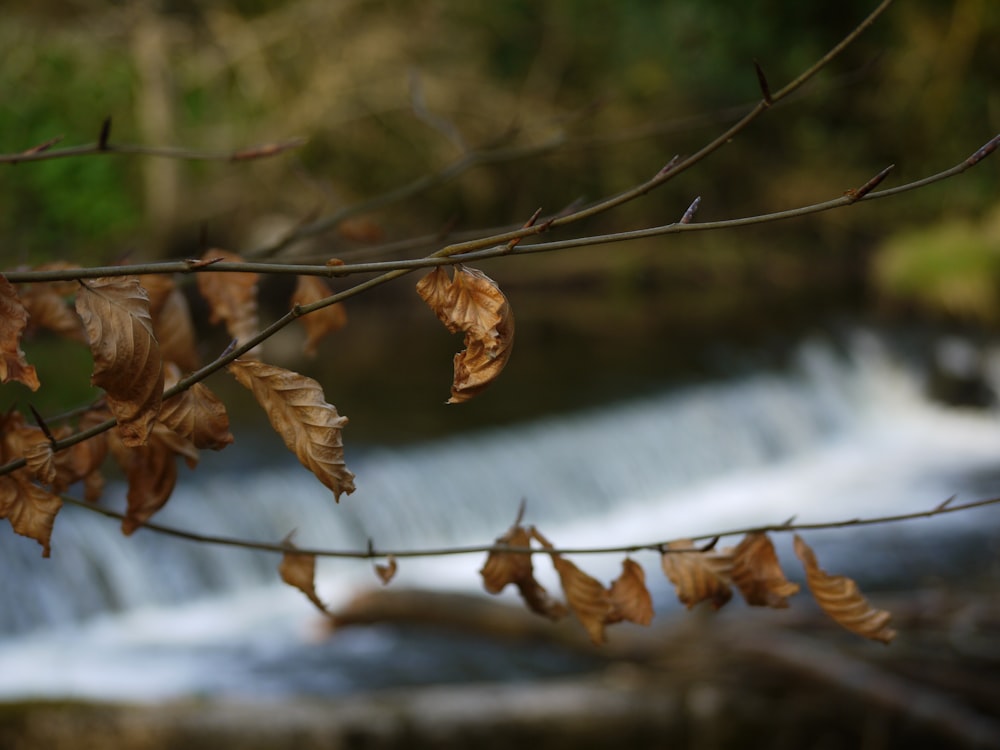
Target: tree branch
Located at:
point(44, 152)
point(661, 547)
point(463, 252)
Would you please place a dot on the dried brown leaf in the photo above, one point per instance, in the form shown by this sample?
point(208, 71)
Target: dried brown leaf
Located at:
point(698, 575)
point(30, 509)
point(172, 324)
point(13, 320)
point(196, 413)
point(841, 599)
point(41, 461)
point(502, 568)
point(83, 460)
point(758, 575)
point(21, 440)
point(296, 408)
point(630, 599)
point(473, 303)
point(322, 322)
point(158, 286)
point(387, 571)
point(151, 472)
point(586, 596)
point(127, 363)
point(231, 297)
point(299, 570)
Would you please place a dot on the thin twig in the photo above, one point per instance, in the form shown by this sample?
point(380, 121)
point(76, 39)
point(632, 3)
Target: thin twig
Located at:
point(477, 158)
point(464, 163)
point(662, 547)
point(43, 152)
point(456, 252)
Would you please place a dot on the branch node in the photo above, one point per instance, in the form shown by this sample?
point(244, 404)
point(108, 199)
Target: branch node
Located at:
point(229, 349)
point(521, 508)
point(709, 545)
point(939, 508)
point(44, 146)
point(691, 211)
point(985, 151)
point(529, 223)
point(333, 264)
point(44, 427)
point(102, 139)
point(195, 263)
point(853, 196)
point(765, 88)
point(669, 165)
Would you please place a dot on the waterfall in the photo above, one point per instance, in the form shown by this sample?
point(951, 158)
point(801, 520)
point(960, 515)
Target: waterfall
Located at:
point(690, 460)
point(839, 433)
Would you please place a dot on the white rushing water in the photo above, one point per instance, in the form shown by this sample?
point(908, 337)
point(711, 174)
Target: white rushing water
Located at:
point(835, 437)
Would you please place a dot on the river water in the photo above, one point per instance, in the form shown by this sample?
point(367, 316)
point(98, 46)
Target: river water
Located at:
point(844, 430)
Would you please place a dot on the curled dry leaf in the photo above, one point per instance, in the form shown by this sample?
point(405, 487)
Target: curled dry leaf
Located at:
point(151, 472)
point(299, 570)
point(296, 408)
point(596, 607)
point(586, 596)
point(473, 303)
point(21, 440)
point(386, 572)
point(83, 460)
point(841, 599)
point(231, 297)
point(758, 575)
point(31, 509)
point(630, 599)
point(502, 568)
point(127, 363)
point(172, 324)
point(41, 461)
point(195, 414)
point(13, 320)
point(322, 322)
point(698, 575)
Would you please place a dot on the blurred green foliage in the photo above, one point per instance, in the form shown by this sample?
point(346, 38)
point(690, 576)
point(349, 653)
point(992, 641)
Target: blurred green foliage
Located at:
point(952, 267)
point(61, 86)
point(629, 84)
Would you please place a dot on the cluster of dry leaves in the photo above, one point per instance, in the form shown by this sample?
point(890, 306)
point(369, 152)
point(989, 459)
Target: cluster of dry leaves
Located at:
point(698, 574)
point(140, 333)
